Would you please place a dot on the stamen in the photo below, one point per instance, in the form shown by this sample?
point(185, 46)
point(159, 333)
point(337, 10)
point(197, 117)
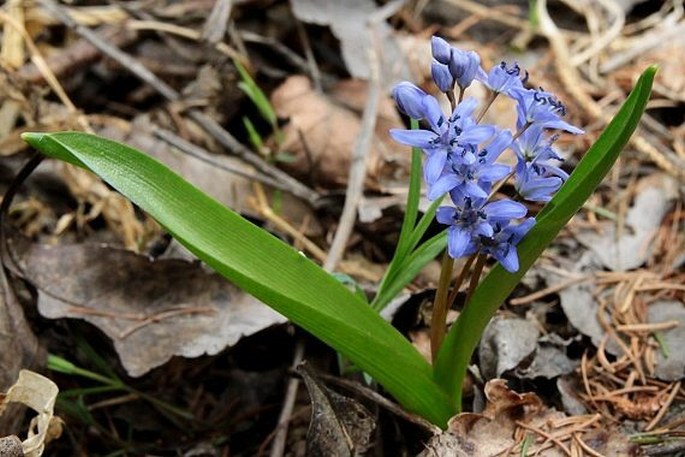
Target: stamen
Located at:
point(524, 79)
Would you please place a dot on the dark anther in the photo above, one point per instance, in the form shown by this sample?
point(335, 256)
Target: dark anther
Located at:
point(524, 79)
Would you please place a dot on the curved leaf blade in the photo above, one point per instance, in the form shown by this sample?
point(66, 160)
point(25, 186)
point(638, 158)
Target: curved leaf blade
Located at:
point(260, 264)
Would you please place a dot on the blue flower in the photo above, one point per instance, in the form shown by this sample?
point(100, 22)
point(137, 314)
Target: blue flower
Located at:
point(445, 136)
point(536, 178)
point(535, 183)
point(461, 154)
point(537, 107)
point(532, 144)
point(470, 172)
point(473, 221)
point(410, 100)
point(502, 245)
point(503, 79)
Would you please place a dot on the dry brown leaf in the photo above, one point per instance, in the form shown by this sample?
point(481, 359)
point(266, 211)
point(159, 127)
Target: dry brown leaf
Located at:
point(321, 133)
point(19, 347)
point(340, 426)
point(152, 310)
point(508, 416)
point(505, 344)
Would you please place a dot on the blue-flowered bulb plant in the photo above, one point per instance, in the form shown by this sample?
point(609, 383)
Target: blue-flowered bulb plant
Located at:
point(461, 166)
point(461, 152)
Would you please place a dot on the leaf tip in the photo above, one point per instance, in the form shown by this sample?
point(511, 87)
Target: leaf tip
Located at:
point(33, 138)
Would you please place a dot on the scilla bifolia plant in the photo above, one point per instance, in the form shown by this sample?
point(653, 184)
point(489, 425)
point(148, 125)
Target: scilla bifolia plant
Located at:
point(461, 154)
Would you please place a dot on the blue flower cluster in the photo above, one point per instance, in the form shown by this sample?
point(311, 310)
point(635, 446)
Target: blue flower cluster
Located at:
point(461, 153)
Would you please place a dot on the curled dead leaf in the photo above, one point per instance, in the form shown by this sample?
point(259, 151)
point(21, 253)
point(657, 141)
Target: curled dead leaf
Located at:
point(510, 417)
point(38, 393)
point(340, 425)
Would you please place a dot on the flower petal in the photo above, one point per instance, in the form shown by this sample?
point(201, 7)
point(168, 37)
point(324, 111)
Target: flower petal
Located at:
point(442, 77)
point(446, 215)
point(510, 259)
point(492, 173)
point(424, 139)
point(441, 50)
point(477, 134)
point(459, 243)
point(434, 115)
point(504, 210)
point(433, 166)
point(474, 190)
point(442, 185)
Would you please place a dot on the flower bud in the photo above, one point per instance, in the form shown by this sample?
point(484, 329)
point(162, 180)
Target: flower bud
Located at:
point(409, 99)
point(441, 50)
point(464, 66)
point(442, 77)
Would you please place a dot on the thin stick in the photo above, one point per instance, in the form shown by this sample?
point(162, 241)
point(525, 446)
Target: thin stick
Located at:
point(585, 446)
point(438, 320)
point(214, 28)
point(278, 445)
point(312, 66)
point(662, 412)
point(381, 401)
point(353, 194)
point(547, 291)
point(355, 181)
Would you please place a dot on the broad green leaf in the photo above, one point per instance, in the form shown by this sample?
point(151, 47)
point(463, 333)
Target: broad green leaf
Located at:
point(260, 264)
point(461, 341)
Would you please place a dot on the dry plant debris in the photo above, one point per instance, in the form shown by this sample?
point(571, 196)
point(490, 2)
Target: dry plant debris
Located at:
point(38, 393)
point(168, 306)
point(321, 131)
point(340, 425)
point(512, 421)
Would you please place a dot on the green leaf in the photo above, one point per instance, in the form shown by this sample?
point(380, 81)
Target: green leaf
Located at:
point(413, 197)
point(409, 268)
point(253, 134)
point(258, 97)
point(260, 264)
point(461, 341)
point(407, 260)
